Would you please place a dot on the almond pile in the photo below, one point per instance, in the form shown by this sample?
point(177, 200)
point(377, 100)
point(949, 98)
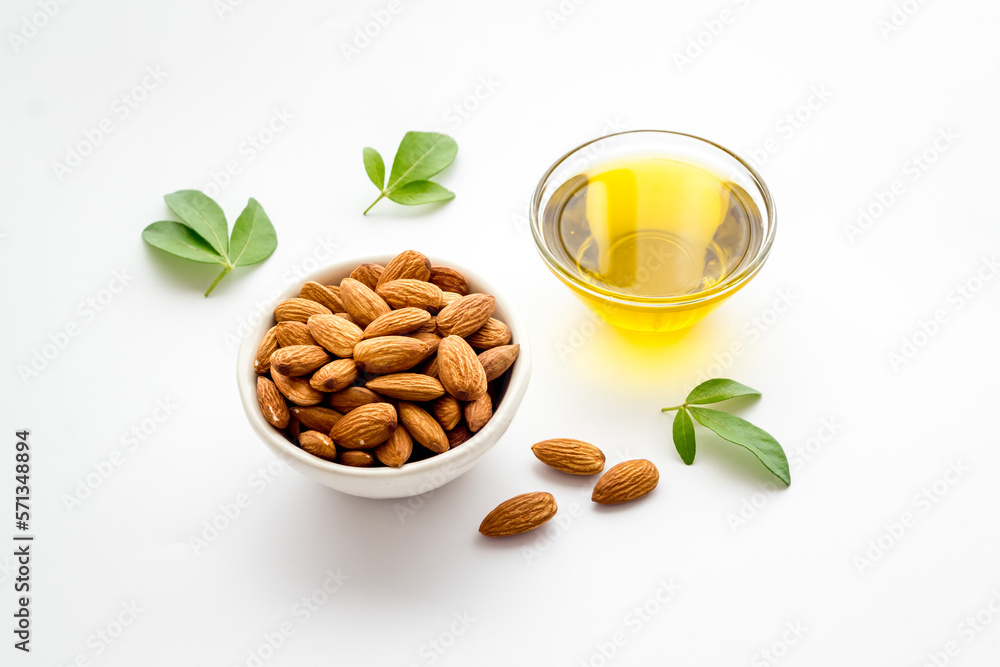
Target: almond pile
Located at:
point(394, 364)
point(622, 483)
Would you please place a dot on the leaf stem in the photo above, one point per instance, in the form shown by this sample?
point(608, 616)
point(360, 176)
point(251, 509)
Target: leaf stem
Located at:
point(676, 407)
point(380, 197)
point(225, 271)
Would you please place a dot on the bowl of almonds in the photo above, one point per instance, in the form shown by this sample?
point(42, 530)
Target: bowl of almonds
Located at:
point(385, 377)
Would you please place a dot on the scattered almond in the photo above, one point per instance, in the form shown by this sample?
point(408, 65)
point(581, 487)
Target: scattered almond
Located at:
point(626, 481)
point(272, 404)
point(573, 456)
point(459, 369)
point(519, 514)
point(423, 427)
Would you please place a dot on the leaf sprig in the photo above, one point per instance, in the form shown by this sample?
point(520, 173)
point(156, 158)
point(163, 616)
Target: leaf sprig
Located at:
point(729, 427)
point(420, 155)
point(202, 235)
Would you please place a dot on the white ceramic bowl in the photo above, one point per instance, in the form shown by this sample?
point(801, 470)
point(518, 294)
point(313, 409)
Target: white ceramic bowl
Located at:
point(412, 478)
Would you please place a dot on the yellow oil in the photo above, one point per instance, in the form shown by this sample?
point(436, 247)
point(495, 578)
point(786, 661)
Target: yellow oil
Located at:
point(645, 229)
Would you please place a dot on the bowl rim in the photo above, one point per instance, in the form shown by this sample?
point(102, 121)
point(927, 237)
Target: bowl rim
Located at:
point(730, 285)
point(458, 457)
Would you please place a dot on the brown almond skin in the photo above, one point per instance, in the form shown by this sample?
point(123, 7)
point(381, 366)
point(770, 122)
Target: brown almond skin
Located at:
point(407, 264)
point(323, 295)
point(361, 302)
point(267, 347)
point(318, 444)
point(497, 360)
point(346, 400)
point(459, 369)
point(407, 386)
point(335, 334)
point(626, 481)
point(448, 411)
point(478, 412)
point(430, 326)
point(432, 341)
point(356, 458)
point(317, 418)
point(294, 428)
point(431, 367)
point(459, 435)
point(398, 322)
point(575, 457)
point(365, 427)
point(293, 333)
point(389, 354)
point(449, 280)
point(272, 403)
point(368, 274)
point(423, 427)
point(298, 359)
point(334, 376)
point(492, 334)
point(519, 514)
point(296, 389)
point(395, 451)
point(298, 310)
point(410, 293)
point(466, 316)
point(448, 298)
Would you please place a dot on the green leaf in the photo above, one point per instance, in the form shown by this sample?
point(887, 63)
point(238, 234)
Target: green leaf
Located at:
point(253, 236)
point(175, 238)
point(717, 390)
point(420, 156)
point(420, 192)
point(684, 436)
point(741, 432)
point(375, 167)
point(200, 212)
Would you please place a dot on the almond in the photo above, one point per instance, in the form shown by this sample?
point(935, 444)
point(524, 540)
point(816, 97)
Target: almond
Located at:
point(449, 280)
point(347, 316)
point(407, 264)
point(448, 298)
point(389, 354)
point(395, 451)
point(318, 444)
point(497, 360)
point(356, 458)
point(368, 274)
point(334, 376)
point(335, 334)
point(365, 427)
point(272, 404)
point(448, 411)
point(322, 295)
point(492, 334)
point(430, 326)
point(298, 359)
point(626, 481)
point(478, 412)
point(423, 427)
point(407, 386)
point(411, 293)
point(298, 310)
point(519, 514)
point(432, 340)
point(573, 456)
point(459, 435)
point(293, 333)
point(431, 367)
point(294, 428)
point(346, 400)
point(397, 322)
point(466, 316)
point(459, 369)
point(296, 389)
point(267, 347)
point(317, 418)
point(361, 302)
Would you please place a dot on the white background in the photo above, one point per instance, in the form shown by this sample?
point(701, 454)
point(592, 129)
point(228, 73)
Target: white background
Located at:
point(828, 556)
